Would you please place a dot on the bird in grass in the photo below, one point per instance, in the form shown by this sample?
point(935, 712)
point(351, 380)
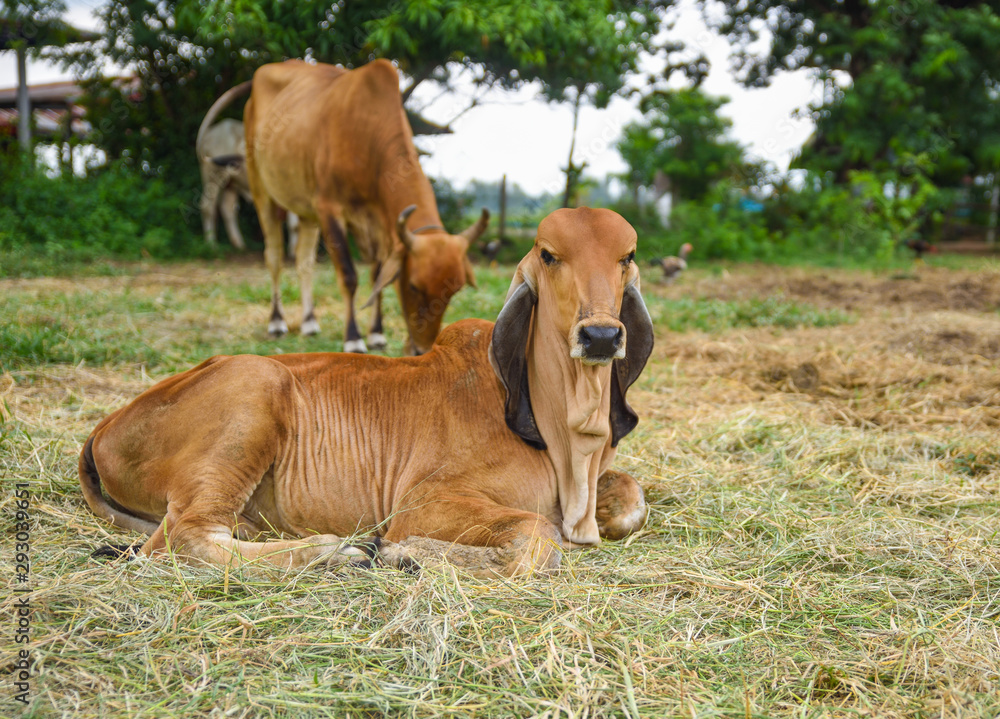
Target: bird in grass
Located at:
point(920, 246)
point(491, 249)
point(673, 266)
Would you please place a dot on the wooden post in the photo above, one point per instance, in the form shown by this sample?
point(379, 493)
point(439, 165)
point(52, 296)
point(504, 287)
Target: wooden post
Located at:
point(991, 232)
point(23, 103)
point(503, 210)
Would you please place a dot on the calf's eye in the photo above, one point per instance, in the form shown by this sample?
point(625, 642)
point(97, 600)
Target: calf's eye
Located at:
point(547, 257)
point(627, 260)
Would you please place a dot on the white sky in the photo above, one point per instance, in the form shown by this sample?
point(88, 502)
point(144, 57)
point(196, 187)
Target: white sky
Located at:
point(528, 139)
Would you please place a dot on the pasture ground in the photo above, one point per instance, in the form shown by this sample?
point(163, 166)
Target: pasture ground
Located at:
point(820, 452)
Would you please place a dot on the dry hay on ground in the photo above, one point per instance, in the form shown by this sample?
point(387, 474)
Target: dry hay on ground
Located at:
point(939, 370)
point(823, 541)
point(909, 359)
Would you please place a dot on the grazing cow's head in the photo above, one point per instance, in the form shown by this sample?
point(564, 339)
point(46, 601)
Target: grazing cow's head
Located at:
point(430, 265)
point(579, 284)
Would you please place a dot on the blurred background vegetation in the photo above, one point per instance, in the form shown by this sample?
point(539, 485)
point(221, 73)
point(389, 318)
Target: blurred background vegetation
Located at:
point(906, 145)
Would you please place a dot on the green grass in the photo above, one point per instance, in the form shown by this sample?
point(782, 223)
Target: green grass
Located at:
point(713, 315)
point(796, 562)
point(123, 322)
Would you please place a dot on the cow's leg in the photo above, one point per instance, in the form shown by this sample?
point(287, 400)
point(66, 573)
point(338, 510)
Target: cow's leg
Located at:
point(205, 537)
point(209, 205)
point(228, 206)
point(274, 257)
point(335, 236)
point(376, 336)
point(483, 537)
point(305, 264)
point(292, 226)
point(621, 505)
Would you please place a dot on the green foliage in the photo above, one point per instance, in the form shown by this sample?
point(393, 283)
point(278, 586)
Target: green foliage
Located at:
point(923, 78)
point(455, 205)
point(113, 213)
point(509, 43)
point(683, 137)
point(32, 24)
point(150, 123)
point(815, 224)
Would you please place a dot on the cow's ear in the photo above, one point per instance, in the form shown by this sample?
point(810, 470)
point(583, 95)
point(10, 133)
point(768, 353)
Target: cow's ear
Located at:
point(389, 272)
point(507, 354)
point(638, 347)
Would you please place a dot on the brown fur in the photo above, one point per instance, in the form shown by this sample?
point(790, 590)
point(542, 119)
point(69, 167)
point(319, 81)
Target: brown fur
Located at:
point(334, 147)
point(418, 450)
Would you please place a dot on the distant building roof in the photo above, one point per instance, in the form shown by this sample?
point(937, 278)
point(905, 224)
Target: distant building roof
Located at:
point(48, 95)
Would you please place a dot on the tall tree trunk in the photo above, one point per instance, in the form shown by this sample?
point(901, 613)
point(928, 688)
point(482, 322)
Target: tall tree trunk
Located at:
point(571, 169)
point(23, 103)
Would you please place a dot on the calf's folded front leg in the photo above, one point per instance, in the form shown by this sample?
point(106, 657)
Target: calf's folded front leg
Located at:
point(480, 536)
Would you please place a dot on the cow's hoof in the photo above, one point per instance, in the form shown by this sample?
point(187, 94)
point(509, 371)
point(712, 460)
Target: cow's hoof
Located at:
point(370, 546)
point(355, 346)
point(408, 565)
point(277, 328)
point(310, 327)
point(377, 341)
point(117, 551)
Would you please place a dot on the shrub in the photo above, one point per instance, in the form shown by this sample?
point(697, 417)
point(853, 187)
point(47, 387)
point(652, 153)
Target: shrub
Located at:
point(816, 224)
point(111, 213)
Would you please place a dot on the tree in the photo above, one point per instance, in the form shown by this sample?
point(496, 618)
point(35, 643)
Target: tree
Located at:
point(681, 138)
point(910, 88)
point(185, 53)
point(581, 50)
point(149, 120)
point(30, 26)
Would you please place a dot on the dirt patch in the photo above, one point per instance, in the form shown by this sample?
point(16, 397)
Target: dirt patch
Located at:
point(937, 369)
point(950, 345)
point(926, 289)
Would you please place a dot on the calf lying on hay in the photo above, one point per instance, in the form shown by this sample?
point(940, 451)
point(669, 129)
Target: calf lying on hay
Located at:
point(492, 450)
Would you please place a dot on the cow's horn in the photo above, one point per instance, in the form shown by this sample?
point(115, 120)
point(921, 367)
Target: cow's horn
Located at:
point(405, 236)
point(472, 234)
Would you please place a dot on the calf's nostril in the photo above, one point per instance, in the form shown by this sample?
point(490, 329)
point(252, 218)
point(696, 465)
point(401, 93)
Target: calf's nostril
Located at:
point(600, 341)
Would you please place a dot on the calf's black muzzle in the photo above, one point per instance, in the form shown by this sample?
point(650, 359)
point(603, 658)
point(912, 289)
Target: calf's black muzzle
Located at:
point(600, 342)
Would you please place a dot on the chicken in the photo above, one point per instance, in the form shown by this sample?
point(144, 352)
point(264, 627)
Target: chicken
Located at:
point(673, 266)
point(920, 247)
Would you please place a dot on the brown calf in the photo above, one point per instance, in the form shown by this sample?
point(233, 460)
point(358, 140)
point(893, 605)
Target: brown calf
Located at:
point(493, 449)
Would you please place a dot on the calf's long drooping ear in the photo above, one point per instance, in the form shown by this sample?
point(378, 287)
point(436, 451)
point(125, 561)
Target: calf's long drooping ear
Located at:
point(638, 347)
point(507, 354)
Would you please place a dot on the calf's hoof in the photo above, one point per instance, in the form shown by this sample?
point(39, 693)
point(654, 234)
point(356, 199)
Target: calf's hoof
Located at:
point(355, 346)
point(377, 341)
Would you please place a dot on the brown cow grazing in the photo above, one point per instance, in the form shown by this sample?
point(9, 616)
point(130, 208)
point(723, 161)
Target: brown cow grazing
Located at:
point(334, 147)
point(493, 450)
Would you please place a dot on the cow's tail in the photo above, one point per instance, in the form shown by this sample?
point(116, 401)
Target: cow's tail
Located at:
point(218, 106)
point(90, 483)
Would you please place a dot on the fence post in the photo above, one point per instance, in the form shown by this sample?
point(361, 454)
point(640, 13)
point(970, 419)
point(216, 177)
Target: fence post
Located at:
point(503, 210)
point(991, 231)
